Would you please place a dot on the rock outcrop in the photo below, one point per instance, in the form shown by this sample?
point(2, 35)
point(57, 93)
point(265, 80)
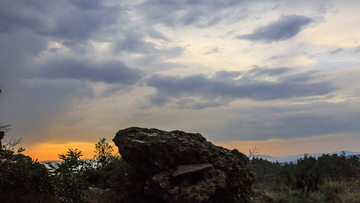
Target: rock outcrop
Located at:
point(184, 167)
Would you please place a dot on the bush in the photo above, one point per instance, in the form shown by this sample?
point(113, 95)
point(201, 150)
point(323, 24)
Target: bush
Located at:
point(74, 176)
point(332, 190)
point(23, 179)
point(69, 177)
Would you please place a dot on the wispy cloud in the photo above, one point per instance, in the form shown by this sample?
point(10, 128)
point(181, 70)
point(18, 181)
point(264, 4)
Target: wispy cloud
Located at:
point(357, 50)
point(336, 51)
point(212, 50)
point(185, 13)
point(284, 28)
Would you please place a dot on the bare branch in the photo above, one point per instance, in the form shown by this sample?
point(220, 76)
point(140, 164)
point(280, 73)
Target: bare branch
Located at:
point(5, 128)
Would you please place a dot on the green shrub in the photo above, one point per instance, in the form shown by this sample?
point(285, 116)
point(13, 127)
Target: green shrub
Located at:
point(332, 190)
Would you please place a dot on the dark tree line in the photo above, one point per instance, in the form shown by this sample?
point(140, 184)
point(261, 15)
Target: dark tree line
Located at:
point(309, 172)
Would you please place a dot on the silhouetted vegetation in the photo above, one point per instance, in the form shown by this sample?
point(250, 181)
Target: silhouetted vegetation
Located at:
point(327, 178)
point(25, 180)
point(5, 127)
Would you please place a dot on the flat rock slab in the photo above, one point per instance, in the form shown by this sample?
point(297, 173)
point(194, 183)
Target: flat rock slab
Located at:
point(194, 168)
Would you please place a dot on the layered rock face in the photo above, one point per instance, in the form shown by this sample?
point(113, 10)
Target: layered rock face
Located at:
point(184, 167)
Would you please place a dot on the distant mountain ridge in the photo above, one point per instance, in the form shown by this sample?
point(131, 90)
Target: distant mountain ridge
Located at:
point(295, 157)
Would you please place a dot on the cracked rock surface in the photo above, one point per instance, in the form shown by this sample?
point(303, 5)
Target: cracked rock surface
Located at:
point(177, 166)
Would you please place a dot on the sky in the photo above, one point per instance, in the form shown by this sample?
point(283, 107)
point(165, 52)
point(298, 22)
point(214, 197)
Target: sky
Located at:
point(282, 76)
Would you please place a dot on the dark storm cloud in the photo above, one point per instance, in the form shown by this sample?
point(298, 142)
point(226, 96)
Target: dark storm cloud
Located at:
point(88, 4)
point(75, 24)
point(188, 12)
point(75, 21)
point(78, 26)
point(114, 72)
point(260, 84)
point(27, 27)
point(285, 28)
point(21, 14)
point(32, 99)
point(156, 65)
point(133, 42)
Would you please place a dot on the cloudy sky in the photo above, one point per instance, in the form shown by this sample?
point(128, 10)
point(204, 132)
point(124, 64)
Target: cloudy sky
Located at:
point(283, 76)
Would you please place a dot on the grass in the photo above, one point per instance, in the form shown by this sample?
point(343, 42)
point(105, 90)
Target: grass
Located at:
point(329, 192)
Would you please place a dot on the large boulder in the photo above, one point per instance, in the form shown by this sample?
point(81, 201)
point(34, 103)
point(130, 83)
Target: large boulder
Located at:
point(184, 167)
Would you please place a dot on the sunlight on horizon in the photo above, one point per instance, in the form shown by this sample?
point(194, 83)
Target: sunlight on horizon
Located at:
point(51, 151)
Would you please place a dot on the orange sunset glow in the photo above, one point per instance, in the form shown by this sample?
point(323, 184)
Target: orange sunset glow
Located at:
point(48, 152)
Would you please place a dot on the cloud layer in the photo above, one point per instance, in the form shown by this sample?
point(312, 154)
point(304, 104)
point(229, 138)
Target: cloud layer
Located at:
point(260, 84)
point(190, 13)
point(77, 69)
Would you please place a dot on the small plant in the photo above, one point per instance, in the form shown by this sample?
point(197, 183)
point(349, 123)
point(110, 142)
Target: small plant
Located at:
point(103, 152)
point(253, 151)
point(5, 127)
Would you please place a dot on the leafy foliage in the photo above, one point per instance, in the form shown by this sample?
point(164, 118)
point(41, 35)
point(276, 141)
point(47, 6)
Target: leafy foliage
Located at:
point(74, 176)
point(103, 152)
point(108, 170)
point(68, 177)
